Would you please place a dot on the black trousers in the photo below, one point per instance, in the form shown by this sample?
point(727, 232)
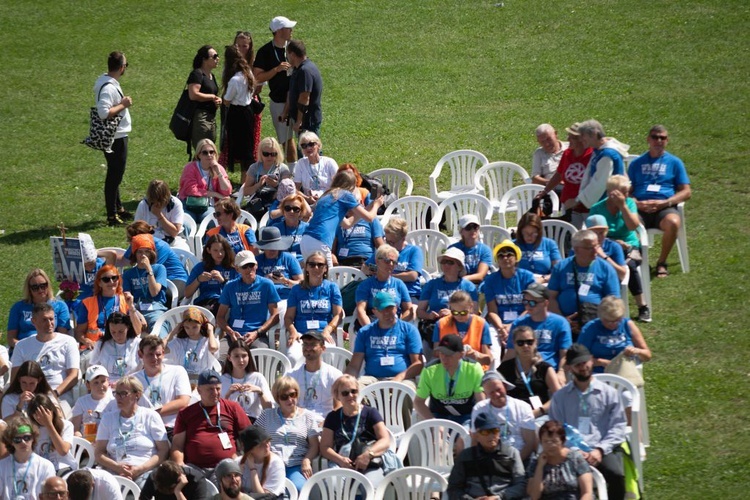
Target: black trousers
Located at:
point(116, 161)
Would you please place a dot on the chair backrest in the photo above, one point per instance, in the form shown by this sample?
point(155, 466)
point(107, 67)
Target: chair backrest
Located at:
point(456, 206)
point(120, 252)
point(432, 243)
point(170, 318)
point(83, 452)
point(600, 484)
point(290, 491)
point(338, 357)
point(463, 165)
point(128, 487)
point(188, 259)
point(519, 200)
point(338, 484)
point(493, 235)
point(189, 227)
point(264, 220)
point(342, 275)
point(430, 443)
point(174, 292)
point(389, 398)
point(418, 212)
point(238, 196)
point(622, 384)
point(247, 218)
point(561, 232)
point(272, 364)
point(397, 181)
point(495, 179)
point(414, 483)
point(211, 488)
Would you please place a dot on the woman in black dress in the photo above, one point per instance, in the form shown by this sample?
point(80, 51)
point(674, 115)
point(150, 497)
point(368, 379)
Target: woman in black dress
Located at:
point(204, 91)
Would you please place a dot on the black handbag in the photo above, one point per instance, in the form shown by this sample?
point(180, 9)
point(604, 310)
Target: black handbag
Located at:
point(257, 106)
point(182, 117)
point(102, 132)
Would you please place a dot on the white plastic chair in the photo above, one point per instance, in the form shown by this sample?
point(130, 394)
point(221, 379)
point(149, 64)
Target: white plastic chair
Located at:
point(414, 483)
point(79, 446)
point(290, 491)
point(389, 399)
point(600, 485)
point(272, 364)
point(211, 489)
point(493, 235)
point(637, 452)
point(644, 270)
point(247, 218)
point(459, 205)
point(120, 252)
point(561, 232)
point(188, 260)
point(432, 243)
point(175, 294)
point(189, 228)
point(128, 487)
point(682, 248)
point(418, 212)
point(238, 196)
point(338, 484)
point(170, 318)
point(264, 220)
point(463, 165)
point(343, 275)
point(398, 182)
point(497, 178)
point(519, 200)
point(338, 357)
point(430, 443)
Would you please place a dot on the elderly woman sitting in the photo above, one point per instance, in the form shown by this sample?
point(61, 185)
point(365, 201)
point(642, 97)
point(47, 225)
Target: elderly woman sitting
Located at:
point(386, 259)
point(314, 173)
point(409, 262)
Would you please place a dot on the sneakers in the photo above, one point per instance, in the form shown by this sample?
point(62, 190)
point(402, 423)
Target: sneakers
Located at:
point(125, 215)
point(115, 220)
point(644, 314)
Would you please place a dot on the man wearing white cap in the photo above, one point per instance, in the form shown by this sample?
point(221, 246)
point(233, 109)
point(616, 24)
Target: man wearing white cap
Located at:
point(477, 255)
point(271, 65)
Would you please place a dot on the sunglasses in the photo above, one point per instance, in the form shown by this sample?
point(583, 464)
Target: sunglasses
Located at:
point(122, 394)
point(306, 145)
point(110, 279)
point(39, 286)
point(285, 397)
point(449, 262)
point(530, 303)
point(471, 227)
point(659, 137)
point(26, 438)
point(266, 153)
point(488, 432)
point(317, 265)
point(353, 392)
point(506, 255)
point(248, 266)
point(214, 57)
point(527, 342)
point(390, 261)
point(459, 313)
point(217, 214)
point(290, 208)
point(207, 152)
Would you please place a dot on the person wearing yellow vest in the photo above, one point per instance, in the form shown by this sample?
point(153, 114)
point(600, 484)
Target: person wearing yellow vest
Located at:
point(92, 313)
point(472, 329)
point(240, 236)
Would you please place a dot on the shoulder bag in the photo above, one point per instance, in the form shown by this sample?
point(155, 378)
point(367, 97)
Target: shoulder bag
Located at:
point(102, 132)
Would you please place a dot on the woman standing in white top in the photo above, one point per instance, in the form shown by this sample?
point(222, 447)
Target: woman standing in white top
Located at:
point(240, 125)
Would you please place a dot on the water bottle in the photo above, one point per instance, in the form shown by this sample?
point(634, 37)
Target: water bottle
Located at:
point(574, 439)
point(89, 426)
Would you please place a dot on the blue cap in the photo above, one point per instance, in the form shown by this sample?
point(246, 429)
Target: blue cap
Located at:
point(382, 300)
point(486, 420)
point(209, 377)
point(593, 221)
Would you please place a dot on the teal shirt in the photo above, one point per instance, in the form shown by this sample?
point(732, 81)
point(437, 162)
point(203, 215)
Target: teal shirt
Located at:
point(617, 228)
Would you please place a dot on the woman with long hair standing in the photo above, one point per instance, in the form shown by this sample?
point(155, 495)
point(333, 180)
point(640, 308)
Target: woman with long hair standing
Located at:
point(238, 87)
point(203, 89)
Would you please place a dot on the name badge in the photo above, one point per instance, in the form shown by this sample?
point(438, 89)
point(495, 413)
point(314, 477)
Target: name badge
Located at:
point(535, 401)
point(343, 252)
point(238, 323)
point(584, 425)
point(653, 188)
point(509, 316)
point(313, 324)
point(583, 290)
point(225, 442)
point(387, 361)
point(146, 306)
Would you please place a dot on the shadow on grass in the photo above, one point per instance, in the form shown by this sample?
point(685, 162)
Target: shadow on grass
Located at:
point(42, 233)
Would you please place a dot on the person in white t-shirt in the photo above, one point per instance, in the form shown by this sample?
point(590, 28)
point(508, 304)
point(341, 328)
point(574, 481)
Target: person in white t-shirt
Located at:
point(263, 471)
point(93, 484)
point(54, 488)
point(167, 387)
point(55, 433)
point(242, 382)
point(117, 350)
point(23, 472)
point(96, 401)
point(192, 344)
point(55, 352)
point(315, 378)
point(163, 211)
point(28, 381)
point(132, 441)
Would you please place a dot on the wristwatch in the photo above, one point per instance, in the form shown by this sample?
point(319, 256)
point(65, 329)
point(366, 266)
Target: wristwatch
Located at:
point(370, 453)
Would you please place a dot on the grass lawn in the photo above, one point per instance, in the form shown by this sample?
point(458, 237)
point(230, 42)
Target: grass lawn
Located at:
point(406, 82)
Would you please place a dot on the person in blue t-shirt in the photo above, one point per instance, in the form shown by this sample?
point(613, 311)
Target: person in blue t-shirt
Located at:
point(660, 183)
point(386, 258)
point(410, 258)
point(146, 280)
point(248, 304)
point(579, 283)
point(37, 289)
point(176, 272)
point(209, 276)
point(503, 289)
point(331, 210)
point(353, 246)
point(538, 253)
point(390, 348)
point(276, 264)
point(477, 255)
point(292, 224)
point(551, 330)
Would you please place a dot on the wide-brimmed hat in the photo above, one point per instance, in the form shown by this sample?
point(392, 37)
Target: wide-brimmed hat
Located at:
point(271, 239)
point(454, 254)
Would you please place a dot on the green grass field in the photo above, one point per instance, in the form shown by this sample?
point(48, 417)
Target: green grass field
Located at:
point(406, 82)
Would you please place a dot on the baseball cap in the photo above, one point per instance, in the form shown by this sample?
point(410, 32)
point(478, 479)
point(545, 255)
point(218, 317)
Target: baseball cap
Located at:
point(450, 344)
point(226, 467)
point(494, 375)
point(209, 377)
point(253, 436)
point(314, 334)
point(537, 290)
point(280, 22)
point(244, 257)
point(94, 371)
point(383, 300)
point(468, 219)
point(485, 421)
point(577, 353)
point(593, 221)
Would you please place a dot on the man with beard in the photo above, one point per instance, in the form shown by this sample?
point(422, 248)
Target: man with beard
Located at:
point(594, 408)
point(229, 476)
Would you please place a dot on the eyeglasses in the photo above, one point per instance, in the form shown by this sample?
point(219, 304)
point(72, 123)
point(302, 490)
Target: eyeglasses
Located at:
point(659, 137)
point(23, 439)
point(528, 342)
point(207, 152)
point(214, 57)
point(488, 432)
point(306, 145)
point(285, 397)
point(352, 392)
point(39, 286)
point(266, 153)
point(506, 255)
point(110, 279)
point(122, 394)
point(530, 303)
point(248, 266)
point(290, 208)
point(389, 261)
point(459, 313)
point(317, 265)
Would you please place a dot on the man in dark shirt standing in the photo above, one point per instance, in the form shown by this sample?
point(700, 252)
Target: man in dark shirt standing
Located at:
point(305, 90)
point(271, 65)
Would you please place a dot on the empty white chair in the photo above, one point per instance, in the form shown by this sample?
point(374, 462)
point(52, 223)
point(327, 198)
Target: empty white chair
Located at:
point(398, 182)
point(454, 207)
point(432, 243)
point(430, 443)
point(418, 212)
point(338, 357)
point(83, 452)
point(497, 178)
point(463, 166)
point(128, 487)
point(682, 248)
point(272, 364)
point(414, 483)
point(493, 235)
point(338, 484)
point(561, 232)
point(390, 399)
point(643, 270)
point(519, 200)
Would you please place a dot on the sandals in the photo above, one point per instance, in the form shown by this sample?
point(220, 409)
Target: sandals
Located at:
point(662, 270)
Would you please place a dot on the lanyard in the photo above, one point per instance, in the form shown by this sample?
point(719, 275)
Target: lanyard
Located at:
point(153, 399)
point(526, 378)
point(450, 382)
point(188, 357)
point(218, 417)
point(23, 481)
point(288, 422)
point(310, 392)
point(125, 437)
point(276, 53)
point(354, 430)
point(103, 307)
point(583, 403)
